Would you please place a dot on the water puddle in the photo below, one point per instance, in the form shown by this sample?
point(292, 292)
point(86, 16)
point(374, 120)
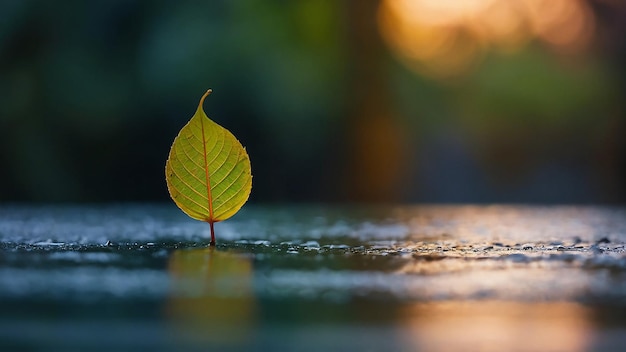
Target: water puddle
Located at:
point(411, 275)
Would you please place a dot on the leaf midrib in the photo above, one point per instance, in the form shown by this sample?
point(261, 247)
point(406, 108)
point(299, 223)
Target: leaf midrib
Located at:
point(206, 169)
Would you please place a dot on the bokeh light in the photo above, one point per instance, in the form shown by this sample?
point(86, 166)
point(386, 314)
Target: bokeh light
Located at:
point(447, 38)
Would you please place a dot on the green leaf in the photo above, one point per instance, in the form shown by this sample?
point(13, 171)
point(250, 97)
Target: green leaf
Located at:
point(208, 171)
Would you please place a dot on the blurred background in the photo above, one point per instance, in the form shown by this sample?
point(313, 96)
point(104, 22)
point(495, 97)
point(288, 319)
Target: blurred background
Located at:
point(454, 101)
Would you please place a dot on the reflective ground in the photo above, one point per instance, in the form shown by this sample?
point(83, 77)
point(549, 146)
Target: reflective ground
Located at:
point(310, 278)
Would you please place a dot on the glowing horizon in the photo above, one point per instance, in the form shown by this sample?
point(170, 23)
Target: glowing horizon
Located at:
point(445, 38)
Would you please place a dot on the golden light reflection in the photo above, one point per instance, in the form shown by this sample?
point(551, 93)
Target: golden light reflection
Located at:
point(497, 326)
point(444, 38)
point(213, 296)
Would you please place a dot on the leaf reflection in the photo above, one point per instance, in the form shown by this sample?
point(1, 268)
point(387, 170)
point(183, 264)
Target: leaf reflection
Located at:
point(212, 295)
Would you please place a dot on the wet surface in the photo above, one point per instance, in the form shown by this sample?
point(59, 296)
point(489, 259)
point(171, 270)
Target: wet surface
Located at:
point(312, 277)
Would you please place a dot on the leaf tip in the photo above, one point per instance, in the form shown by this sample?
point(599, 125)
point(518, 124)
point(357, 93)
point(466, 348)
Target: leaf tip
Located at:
point(206, 94)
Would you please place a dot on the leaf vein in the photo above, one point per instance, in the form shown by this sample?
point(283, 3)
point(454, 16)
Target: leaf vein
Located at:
point(192, 161)
point(188, 186)
point(243, 171)
point(194, 202)
point(231, 169)
point(221, 147)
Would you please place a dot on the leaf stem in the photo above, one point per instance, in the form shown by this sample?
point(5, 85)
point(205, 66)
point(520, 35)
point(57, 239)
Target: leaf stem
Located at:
point(212, 243)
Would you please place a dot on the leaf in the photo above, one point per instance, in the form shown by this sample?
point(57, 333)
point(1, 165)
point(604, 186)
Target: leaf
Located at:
point(208, 171)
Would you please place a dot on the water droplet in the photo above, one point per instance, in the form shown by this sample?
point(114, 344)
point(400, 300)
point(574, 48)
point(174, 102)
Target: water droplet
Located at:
point(337, 246)
point(311, 244)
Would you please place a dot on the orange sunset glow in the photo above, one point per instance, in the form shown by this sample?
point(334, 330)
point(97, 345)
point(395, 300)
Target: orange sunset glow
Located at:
point(444, 38)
